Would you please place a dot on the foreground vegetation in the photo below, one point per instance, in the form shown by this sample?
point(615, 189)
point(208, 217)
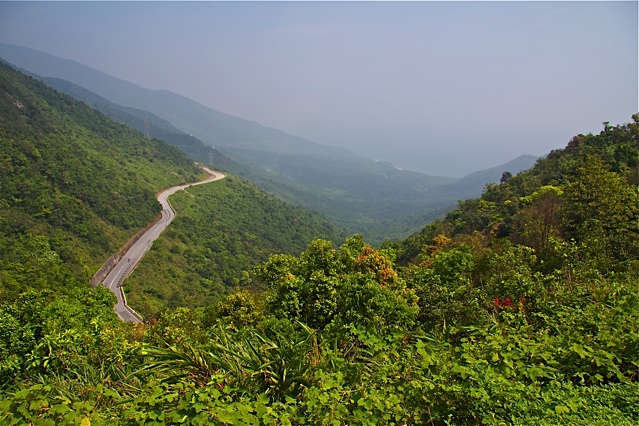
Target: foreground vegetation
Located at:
point(566, 353)
point(521, 307)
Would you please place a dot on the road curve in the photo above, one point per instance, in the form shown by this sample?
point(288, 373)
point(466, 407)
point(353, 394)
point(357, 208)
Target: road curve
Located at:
point(130, 259)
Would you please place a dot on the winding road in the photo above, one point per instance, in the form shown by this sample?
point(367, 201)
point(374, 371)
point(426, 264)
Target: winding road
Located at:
point(130, 259)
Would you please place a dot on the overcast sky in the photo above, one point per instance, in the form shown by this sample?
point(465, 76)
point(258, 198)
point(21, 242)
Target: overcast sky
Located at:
point(445, 88)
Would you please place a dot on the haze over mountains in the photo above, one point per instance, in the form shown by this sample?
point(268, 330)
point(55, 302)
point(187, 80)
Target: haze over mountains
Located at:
point(359, 194)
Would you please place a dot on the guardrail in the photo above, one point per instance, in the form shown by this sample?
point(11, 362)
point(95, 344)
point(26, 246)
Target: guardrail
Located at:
point(108, 266)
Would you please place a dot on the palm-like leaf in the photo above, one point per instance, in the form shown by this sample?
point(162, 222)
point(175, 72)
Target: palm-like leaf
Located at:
point(256, 363)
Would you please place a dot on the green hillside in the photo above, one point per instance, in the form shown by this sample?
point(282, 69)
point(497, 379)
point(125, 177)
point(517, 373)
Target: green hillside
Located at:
point(146, 123)
point(584, 193)
point(74, 185)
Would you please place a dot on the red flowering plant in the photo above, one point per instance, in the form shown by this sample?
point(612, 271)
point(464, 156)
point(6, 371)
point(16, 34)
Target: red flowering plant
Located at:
point(508, 304)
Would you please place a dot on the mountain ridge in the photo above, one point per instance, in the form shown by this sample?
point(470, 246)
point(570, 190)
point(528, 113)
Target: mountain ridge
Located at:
point(473, 184)
point(128, 94)
point(132, 95)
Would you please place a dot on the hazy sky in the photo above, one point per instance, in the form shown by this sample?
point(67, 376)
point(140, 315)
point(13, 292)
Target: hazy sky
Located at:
point(441, 87)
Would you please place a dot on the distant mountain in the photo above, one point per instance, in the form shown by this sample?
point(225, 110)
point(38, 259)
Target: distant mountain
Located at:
point(472, 185)
point(361, 195)
point(213, 127)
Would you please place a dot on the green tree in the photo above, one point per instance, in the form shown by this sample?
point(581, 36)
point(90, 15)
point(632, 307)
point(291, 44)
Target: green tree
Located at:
point(602, 215)
point(240, 309)
point(539, 221)
point(353, 285)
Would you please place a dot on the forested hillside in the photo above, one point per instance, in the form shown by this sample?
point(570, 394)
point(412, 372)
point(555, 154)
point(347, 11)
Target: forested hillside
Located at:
point(520, 307)
point(142, 121)
point(220, 233)
point(584, 195)
point(146, 123)
point(74, 186)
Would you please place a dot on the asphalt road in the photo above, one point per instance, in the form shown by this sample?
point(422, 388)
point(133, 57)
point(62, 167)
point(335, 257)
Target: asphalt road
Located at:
point(129, 260)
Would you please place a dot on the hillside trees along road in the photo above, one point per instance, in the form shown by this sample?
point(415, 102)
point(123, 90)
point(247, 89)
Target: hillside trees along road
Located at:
point(129, 260)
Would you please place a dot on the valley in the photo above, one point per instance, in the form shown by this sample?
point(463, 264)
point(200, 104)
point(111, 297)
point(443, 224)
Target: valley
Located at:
point(358, 194)
point(519, 306)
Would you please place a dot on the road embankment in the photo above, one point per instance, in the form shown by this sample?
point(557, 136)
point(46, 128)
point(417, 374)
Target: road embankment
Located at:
point(115, 270)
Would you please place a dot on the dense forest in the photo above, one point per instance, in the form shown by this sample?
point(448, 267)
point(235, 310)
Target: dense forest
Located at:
point(520, 307)
point(146, 123)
